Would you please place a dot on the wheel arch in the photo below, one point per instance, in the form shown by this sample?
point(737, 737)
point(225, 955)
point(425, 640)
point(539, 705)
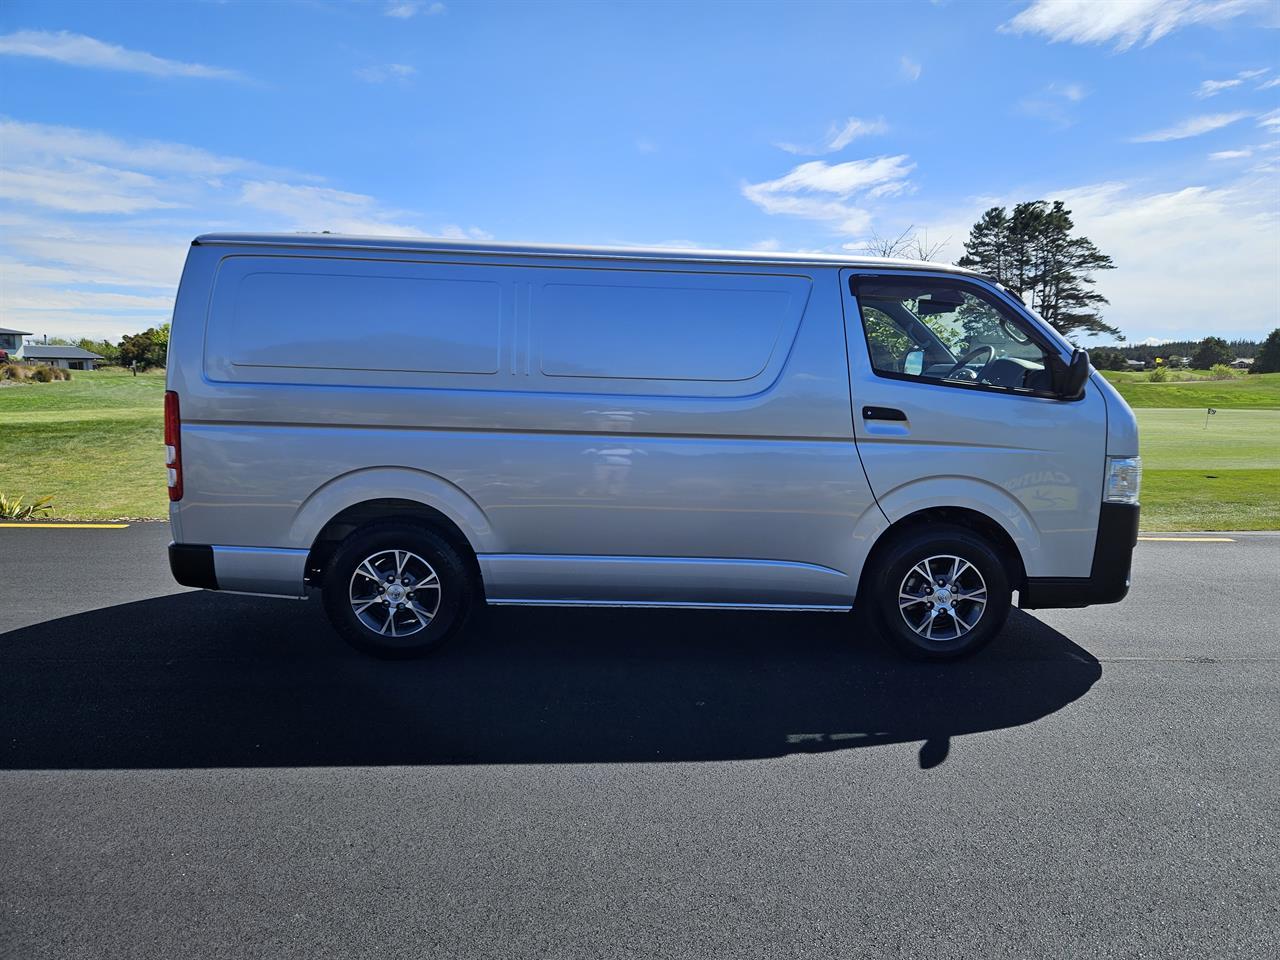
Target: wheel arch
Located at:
point(378, 494)
point(966, 517)
point(984, 507)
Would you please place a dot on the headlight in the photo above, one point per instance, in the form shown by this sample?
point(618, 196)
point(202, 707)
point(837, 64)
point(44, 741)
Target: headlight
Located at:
point(1124, 477)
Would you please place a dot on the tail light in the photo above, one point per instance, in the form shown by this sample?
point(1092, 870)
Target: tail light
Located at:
point(173, 444)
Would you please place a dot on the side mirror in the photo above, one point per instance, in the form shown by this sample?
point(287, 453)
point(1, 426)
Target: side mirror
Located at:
point(1076, 373)
point(913, 363)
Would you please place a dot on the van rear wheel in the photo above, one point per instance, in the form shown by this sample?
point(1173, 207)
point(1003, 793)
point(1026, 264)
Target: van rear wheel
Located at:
point(396, 590)
point(940, 592)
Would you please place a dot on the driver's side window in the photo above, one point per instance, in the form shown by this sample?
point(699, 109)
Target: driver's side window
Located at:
point(948, 332)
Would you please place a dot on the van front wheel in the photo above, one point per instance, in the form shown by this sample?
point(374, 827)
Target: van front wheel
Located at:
point(396, 590)
point(940, 592)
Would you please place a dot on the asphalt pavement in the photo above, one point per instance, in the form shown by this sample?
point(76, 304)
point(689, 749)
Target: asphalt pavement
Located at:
point(194, 774)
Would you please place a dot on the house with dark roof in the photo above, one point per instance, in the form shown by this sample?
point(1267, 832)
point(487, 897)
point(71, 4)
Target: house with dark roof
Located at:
point(69, 358)
point(11, 341)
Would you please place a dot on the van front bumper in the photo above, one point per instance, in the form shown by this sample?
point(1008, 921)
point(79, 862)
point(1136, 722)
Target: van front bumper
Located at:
point(1108, 580)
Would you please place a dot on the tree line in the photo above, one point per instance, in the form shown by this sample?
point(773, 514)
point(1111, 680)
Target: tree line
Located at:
point(143, 350)
point(1198, 354)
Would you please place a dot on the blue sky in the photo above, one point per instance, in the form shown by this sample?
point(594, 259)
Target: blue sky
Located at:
point(128, 128)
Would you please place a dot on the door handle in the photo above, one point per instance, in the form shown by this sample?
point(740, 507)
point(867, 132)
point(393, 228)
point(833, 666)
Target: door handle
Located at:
point(883, 413)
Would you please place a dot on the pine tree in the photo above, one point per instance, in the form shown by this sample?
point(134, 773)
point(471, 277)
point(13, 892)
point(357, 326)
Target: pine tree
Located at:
point(1268, 359)
point(1033, 253)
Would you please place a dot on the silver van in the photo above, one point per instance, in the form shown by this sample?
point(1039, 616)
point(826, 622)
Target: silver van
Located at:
point(417, 427)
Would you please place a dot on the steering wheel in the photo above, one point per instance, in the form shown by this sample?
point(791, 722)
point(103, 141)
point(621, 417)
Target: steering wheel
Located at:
point(972, 354)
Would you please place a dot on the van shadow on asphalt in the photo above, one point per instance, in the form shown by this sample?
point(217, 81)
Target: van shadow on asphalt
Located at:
point(204, 680)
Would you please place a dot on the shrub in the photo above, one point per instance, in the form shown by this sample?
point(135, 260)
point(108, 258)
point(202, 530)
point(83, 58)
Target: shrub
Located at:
point(15, 509)
point(1220, 371)
point(1158, 375)
point(40, 374)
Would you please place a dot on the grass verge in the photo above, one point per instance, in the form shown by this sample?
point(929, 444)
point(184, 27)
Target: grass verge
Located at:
point(95, 443)
point(1210, 500)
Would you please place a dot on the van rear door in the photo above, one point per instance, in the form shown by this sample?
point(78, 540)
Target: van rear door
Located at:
point(953, 407)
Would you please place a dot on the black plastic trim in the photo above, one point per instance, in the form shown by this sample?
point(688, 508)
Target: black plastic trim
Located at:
point(1108, 580)
point(192, 565)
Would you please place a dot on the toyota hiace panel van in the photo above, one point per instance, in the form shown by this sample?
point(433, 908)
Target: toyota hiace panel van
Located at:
point(414, 427)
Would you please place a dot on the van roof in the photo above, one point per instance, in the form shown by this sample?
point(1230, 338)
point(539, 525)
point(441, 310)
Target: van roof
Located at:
point(685, 254)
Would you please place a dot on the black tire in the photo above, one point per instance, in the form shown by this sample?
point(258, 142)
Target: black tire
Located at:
point(898, 569)
point(454, 594)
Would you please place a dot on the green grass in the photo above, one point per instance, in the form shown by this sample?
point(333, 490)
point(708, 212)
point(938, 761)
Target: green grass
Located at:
point(1210, 500)
point(1225, 476)
point(95, 442)
point(1259, 391)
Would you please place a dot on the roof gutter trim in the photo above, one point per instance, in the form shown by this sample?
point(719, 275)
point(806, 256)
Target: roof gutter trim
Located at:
point(641, 255)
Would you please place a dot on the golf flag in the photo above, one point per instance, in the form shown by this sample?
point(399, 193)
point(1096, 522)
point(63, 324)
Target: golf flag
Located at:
point(1209, 412)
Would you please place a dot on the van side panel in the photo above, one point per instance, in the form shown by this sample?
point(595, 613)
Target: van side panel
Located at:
point(630, 418)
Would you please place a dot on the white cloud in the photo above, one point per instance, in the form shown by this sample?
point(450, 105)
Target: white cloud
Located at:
point(821, 191)
point(852, 128)
point(94, 229)
point(82, 187)
point(81, 51)
point(89, 172)
point(911, 69)
point(1191, 127)
point(839, 135)
point(1072, 91)
point(1270, 84)
point(109, 254)
point(1211, 88)
point(1169, 247)
point(451, 231)
point(87, 281)
point(404, 9)
point(23, 296)
point(45, 144)
point(386, 71)
point(322, 208)
point(1122, 22)
point(1270, 121)
point(1231, 155)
